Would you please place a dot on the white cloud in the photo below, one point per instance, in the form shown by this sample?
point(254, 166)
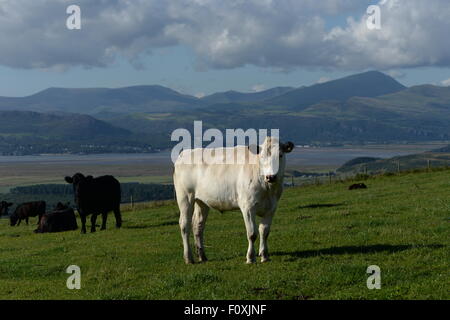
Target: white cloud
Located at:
point(258, 87)
point(323, 80)
point(446, 83)
point(396, 74)
point(281, 34)
point(200, 95)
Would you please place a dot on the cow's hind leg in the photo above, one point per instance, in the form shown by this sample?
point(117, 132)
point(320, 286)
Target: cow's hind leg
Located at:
point(104, 218)
point(250, 226)
point(186, 205)
point(264, 230)
point(118, 216)
point(83, 223)
point(199, 219)
point(93, 221)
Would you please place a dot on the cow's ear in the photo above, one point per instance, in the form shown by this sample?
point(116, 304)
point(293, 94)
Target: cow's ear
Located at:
point(254, 148)
point(68, 179)
point(287, 147)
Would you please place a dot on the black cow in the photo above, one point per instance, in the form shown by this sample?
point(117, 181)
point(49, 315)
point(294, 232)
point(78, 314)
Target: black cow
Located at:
point(59, 220)
point(357, 186)
point(4, 206)
point(96, 196)
point(26, 210)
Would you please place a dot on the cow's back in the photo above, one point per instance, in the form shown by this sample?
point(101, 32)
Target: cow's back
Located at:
point(220, 186)
point(58, 221)
point(99, 194)
point(31, 209)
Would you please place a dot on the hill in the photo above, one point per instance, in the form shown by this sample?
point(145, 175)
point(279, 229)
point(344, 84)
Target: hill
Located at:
point(235, 96)
point(97, 100)
point(322, 241)
point(367, 107)
point(27, 132)
point(368, 84)
point(415, 114)
point(438, 158)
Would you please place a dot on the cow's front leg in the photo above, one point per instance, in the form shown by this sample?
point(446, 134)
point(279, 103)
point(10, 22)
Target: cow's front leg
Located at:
point(264, 230)
point(199, 221)
point(250, 226)
point(93, 221)
point(186, 206)
point(26, 220)
point(18, 223)
point(104, 218)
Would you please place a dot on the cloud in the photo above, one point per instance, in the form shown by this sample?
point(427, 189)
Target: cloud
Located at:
point(258, 87)
point(280, 34)
point(446, 83)
point(396, 74)
point(323, 80)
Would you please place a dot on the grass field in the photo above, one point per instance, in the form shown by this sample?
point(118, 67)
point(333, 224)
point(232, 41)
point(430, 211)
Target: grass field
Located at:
point(322, 241)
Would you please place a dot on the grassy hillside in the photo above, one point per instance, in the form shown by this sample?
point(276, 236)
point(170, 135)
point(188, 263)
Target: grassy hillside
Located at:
point(409, 162)
point(27, 132)
point(322, 241)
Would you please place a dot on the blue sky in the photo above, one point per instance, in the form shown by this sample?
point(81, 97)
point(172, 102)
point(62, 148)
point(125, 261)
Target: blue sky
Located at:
point(185, 51)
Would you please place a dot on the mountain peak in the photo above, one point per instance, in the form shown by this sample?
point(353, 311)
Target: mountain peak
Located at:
point(367, 84)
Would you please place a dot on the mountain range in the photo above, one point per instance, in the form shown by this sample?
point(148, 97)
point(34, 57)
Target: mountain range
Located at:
point(366, 107)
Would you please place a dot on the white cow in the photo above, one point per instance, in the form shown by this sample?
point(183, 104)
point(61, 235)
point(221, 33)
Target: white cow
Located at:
point(254, 187)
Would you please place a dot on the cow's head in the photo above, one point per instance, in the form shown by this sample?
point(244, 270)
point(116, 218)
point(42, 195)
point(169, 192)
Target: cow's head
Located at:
point(4, 208)
point(272, 160)
point(13, 218)
point(75, 179)
point(78, 180)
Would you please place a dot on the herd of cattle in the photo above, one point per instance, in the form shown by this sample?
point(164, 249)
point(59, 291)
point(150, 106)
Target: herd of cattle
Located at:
point(253, 188)
point(93, 196)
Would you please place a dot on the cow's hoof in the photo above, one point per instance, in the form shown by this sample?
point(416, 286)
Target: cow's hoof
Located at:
point(251, 262)
point(103, 228)
point(189, 259)
point(83, 231)
point(118, 226)
point(92, 230)
point(264, 260)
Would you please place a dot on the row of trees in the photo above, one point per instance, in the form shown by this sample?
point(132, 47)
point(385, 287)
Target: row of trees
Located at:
point(138, 192)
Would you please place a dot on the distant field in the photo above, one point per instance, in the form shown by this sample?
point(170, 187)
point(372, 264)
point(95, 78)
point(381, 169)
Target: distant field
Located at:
point(158, 168)
point(322, 241)
point(13, 175)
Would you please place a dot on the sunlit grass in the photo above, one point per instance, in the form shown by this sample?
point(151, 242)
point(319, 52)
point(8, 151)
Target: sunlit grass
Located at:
point(323, 239)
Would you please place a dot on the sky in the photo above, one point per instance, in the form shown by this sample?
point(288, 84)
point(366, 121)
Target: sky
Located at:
point(200, 47)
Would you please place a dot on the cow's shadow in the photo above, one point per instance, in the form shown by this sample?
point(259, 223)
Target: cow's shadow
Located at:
point(320, 205)
point(353, 250)
point(149, 226)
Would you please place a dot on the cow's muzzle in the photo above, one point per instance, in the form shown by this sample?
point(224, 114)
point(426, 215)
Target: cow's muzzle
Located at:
point(271, 178)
